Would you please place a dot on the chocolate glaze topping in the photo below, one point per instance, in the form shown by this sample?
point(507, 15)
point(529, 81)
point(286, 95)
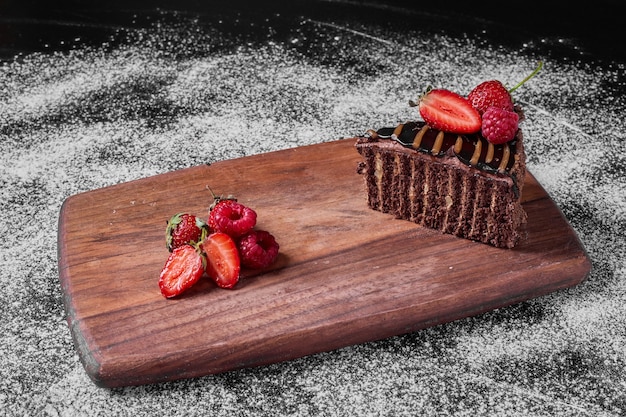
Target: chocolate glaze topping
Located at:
point(473, 149)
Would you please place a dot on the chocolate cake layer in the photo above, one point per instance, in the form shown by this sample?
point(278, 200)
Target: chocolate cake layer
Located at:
point(438, 186)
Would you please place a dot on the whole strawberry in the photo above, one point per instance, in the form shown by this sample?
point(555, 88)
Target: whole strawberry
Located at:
point(448, 111)
point(494, 94)
point(231, 217)
point(490, 94)
point(258, 249)
point(183, 229)
point(499, 125)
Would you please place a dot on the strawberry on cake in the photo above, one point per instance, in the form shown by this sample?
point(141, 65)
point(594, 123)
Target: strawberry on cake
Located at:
point(460, 171)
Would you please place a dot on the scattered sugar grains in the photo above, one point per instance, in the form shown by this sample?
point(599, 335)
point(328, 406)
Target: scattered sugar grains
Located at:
point(170, 97)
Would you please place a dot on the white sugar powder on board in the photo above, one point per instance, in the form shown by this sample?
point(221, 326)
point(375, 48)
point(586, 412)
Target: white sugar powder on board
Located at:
point(94, 117)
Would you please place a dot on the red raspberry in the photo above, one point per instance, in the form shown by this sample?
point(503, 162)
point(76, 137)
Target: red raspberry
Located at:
point(258, 249)
point(230, 217)
point(490, 93)
point(499, 126)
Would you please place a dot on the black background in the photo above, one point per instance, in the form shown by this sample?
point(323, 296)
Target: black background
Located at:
point(593, 31)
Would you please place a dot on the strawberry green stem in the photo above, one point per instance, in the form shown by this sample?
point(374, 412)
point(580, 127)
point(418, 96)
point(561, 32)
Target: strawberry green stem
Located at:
point(211, 191)
point(528, 78)
point(218, 198)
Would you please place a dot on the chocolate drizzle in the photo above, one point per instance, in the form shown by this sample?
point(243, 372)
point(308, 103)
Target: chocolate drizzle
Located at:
point(473, 149)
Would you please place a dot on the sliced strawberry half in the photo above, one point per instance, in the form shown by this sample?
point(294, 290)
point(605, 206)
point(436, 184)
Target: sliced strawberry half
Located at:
point(223, 263)
point(183, 268)
point(448, 111)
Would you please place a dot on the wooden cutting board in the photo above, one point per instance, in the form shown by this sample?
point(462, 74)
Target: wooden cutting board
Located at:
point(346, 274)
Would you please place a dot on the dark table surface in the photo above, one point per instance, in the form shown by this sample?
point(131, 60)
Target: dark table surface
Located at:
point(561, 28)
point(93, 95)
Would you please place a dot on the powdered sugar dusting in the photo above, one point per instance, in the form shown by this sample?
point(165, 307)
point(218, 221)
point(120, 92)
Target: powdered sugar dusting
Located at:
point(186, 91)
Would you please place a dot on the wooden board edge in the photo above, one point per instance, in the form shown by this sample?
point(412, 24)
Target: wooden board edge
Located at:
point(92, 360)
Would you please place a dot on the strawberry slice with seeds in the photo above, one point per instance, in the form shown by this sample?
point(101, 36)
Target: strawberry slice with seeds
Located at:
point(223, 263)
point(183, 268)
point(446, 110)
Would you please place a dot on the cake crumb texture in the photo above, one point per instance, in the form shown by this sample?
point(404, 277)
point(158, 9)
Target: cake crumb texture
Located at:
point(443, 194)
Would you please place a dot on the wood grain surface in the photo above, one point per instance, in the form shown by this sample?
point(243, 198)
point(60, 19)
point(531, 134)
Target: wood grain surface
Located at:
point(346, 274)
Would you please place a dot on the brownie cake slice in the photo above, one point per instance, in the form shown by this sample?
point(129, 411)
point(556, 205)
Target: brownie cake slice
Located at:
point(460, 184)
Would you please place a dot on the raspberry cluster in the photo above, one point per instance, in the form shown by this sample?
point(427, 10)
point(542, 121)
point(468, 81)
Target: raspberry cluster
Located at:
point(257, 248)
